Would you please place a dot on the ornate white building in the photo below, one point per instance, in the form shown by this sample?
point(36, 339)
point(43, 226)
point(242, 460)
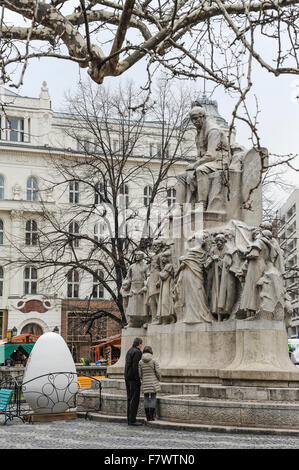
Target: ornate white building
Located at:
point(32, 134)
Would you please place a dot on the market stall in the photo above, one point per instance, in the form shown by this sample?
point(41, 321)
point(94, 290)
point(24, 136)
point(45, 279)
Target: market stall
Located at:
point(16, 349)
point(107, 350)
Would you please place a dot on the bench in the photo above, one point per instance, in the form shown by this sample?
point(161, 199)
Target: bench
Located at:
point(5, 396)
point(86, 381)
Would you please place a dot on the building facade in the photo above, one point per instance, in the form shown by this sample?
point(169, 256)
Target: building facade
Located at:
point(288, 235)
point(33, 136)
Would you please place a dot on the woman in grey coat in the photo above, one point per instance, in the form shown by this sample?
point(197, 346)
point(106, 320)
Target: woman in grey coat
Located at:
point(149, 373)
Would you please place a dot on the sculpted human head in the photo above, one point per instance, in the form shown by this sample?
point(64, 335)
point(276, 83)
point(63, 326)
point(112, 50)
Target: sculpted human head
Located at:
point(198, 116)
point(256, 233)
point(220, 240)
point(139, 255)
point(165, 257)
point(266, 226)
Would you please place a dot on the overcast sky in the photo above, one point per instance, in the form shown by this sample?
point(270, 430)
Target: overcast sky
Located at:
point(279, 109)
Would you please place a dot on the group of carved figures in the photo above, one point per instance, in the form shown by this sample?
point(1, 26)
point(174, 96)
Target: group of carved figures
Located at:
point(236, 273)
point(233, 272)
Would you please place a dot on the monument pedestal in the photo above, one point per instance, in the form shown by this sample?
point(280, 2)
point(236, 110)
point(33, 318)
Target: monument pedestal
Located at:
point(233, 373)
point(232, 352)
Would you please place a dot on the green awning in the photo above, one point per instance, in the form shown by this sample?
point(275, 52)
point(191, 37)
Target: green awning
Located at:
point(7, 349)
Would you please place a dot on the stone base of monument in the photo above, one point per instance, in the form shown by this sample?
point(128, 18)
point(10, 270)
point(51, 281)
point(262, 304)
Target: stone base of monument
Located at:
point(234, 373)
point(232, 352)
point(206, 404)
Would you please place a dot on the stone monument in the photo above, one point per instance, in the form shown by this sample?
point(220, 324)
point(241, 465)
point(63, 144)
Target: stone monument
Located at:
point(220, 308)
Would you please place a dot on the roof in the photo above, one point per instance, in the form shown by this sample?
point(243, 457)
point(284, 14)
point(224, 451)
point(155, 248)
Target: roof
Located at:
point(7, 92)
point(115, 340)
point(27, 338)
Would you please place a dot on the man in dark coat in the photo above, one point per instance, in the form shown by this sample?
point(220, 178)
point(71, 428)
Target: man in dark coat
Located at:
point(132, 379)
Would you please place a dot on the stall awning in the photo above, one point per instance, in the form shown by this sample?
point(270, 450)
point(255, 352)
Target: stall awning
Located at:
point(114, 341)
point(7, 349)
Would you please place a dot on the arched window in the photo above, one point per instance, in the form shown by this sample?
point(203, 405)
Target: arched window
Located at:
point(30, 280)
point(32, 189)
point(74, 232)
point(171, 195)
point(147, 192)
point(32, 329)
point(97, 286)
point(1, 285)
point(1, 187)
point(1, 232)
point(74, 192)
point(31, 232)
point(73, 284)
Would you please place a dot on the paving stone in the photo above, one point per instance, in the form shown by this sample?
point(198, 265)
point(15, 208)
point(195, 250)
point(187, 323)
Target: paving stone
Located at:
point(85, 434)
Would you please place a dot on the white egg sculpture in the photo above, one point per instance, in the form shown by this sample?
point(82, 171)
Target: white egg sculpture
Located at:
point(50, 378)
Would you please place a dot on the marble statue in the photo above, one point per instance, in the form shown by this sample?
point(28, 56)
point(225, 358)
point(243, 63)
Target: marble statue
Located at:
point(215, 266)
point(212, 147)
point(165, 311)
point(190, 300)
point(228, 288)
point(200, 290)
point(261, 279)
point(137, 276)
point(153, 281)
point(125, 292)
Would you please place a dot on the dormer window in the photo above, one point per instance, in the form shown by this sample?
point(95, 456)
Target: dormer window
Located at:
point(12, 129)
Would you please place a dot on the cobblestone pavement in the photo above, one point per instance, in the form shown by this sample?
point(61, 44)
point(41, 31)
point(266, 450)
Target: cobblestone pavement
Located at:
point(85, 434)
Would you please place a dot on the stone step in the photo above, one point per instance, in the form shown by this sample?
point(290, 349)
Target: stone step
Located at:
point(215, 391)
point(181, 426)
point(199, 410)
point(221, 392)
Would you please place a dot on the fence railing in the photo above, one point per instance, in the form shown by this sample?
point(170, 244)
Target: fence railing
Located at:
point(49, 390)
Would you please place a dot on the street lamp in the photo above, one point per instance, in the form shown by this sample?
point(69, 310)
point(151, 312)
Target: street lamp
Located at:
point(14, 331)
point(56, 329)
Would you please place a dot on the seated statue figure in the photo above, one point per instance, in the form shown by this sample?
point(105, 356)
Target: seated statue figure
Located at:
point(212, 149)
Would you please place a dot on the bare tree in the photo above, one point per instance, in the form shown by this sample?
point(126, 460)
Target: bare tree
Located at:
point(110, 191)
point(222, 42)
point(208, 38)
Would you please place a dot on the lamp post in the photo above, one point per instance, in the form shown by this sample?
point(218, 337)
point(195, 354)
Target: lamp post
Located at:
point(14, 331)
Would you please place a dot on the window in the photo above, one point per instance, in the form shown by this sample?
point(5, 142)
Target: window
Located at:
point(85, 145)
point(32, 189)
point(1, 187)
point(291, 211)
point(171, 195)
point(73, 284)
point(147, 192)
point(1, 283)
point(74, 232)
point(167, 151)
point(31, 232)
point(159, 150)
point(30, 280)
point(1, 232)
point(12, 129)
point(282, 221)
point(99, 231)
point(74, 192)
point(97, 286)
point(124, 195)
point(115, 146)
point(99, 195)
point(151, 150)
